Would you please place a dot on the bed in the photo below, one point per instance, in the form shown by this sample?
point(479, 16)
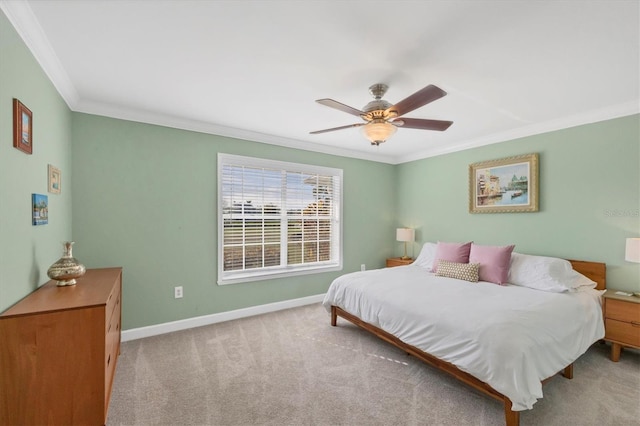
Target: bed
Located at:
point(504, 340)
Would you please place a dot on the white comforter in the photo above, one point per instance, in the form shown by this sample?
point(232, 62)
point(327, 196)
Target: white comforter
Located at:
point(510, 337)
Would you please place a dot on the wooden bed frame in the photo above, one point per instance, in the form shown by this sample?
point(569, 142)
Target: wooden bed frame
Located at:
point(596, 271)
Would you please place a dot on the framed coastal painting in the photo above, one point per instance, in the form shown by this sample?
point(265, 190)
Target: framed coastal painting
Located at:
point(55, 180)
point(506, 185)
point(39, 209)
point(22, 127)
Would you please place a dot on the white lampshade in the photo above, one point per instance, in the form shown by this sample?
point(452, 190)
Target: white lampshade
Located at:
point(378, 131)
point(405, 234)
point(632, 251)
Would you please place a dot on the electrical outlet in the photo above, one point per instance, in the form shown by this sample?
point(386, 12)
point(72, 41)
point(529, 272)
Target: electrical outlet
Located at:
point(363, 267)
point(177, 292)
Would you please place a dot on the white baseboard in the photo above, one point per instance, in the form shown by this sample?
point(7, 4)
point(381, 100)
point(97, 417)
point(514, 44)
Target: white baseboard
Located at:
point(168, 327)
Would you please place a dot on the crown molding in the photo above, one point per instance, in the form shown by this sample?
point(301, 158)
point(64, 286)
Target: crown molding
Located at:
point(588, 117)
point(28, 28)
point(611, 112)
point(147, 117)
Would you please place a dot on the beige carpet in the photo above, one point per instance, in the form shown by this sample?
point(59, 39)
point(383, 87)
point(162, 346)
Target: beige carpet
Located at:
point(292, 368)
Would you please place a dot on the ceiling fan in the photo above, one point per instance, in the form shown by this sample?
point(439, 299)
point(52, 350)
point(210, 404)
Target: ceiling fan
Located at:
point(382, 119)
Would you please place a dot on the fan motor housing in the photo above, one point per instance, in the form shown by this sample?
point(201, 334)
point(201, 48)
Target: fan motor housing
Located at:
point(377, 109)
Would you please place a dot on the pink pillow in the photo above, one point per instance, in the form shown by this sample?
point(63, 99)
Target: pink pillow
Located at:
point(452, 252)
point(494, 262)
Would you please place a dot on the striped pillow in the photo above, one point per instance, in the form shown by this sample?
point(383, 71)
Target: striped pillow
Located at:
point(460, 271)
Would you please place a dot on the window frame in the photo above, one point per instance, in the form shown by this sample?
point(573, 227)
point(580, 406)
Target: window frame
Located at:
point(281, 271)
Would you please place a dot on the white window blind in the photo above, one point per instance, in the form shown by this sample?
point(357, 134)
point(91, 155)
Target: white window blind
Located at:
point(277, 219)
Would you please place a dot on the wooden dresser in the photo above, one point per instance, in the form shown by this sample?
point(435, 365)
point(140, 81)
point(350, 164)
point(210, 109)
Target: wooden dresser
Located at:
point(58, 352)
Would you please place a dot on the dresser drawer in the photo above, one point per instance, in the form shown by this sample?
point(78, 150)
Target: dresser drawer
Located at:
point(623, 311)
point(112, 324)
point(397, 261)
point(112, 346)
point(113, 302)
point(112, 342)
point(625, 332)
point(112, 336)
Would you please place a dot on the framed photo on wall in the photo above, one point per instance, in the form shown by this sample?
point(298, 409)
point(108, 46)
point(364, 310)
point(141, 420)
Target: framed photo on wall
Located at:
point(22, 127)
point(506, 185)
point(39, 209)
point(55, 180)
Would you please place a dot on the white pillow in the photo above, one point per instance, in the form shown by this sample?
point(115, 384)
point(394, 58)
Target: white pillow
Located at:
point(546, 273)
point(426, 257)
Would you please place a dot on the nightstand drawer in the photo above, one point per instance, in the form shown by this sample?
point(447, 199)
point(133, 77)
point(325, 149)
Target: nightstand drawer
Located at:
point(623, 311)
point(398, 261)
point(619, 331)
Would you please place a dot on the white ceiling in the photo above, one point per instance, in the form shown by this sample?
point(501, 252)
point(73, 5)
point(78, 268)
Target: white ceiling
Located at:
point(252, 69)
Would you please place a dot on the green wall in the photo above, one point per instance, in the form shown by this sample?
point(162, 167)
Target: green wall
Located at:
point(145, 198)
point(589, 197)
point(27, 251)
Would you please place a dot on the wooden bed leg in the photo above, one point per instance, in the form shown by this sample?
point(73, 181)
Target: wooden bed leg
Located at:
point(511, 418)
point(334, 316)
point(568, 371)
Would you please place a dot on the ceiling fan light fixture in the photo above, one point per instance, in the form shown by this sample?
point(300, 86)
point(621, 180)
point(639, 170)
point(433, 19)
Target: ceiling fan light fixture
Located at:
point(382, 119)
point(378, 131)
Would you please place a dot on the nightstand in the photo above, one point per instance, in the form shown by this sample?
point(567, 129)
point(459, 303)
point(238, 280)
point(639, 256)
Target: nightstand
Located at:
point(398, 261)
point(621, 322)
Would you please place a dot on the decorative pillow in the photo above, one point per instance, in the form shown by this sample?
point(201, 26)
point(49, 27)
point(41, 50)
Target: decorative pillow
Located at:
point(494, 262)
point(460, 271)
point(426, 256)
point(453, 252)
point(546, 273)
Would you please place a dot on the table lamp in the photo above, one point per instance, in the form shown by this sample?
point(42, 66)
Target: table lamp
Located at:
point(632, 251)
point(405, 235)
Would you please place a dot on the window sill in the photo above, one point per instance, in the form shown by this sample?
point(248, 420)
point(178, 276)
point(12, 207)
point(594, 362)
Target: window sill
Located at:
point(244, 277)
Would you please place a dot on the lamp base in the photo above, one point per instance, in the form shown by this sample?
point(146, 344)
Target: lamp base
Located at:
point(405, 257)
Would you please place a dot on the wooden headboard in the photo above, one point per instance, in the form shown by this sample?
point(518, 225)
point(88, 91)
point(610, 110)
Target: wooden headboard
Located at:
point(596, 271)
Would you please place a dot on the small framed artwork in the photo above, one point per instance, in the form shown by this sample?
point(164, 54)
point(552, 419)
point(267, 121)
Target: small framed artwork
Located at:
point(22, 127)
point(39, 209)
point(507, 185)
point(55, 180)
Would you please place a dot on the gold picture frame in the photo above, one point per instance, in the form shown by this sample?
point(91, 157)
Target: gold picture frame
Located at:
point(506, 185)
point(55, 180)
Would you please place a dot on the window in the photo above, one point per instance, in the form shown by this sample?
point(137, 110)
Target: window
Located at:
point(277, 219)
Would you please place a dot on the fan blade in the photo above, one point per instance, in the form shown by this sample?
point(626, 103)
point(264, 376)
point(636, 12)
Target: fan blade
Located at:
point(418, 99)
point(337, 128)
point(419, 123)
point(342, 107)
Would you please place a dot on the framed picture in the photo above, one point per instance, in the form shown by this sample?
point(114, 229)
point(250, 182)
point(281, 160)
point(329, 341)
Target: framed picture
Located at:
point(39, 209)
point(507, 185)
point(22, 127)
point(55, 180)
